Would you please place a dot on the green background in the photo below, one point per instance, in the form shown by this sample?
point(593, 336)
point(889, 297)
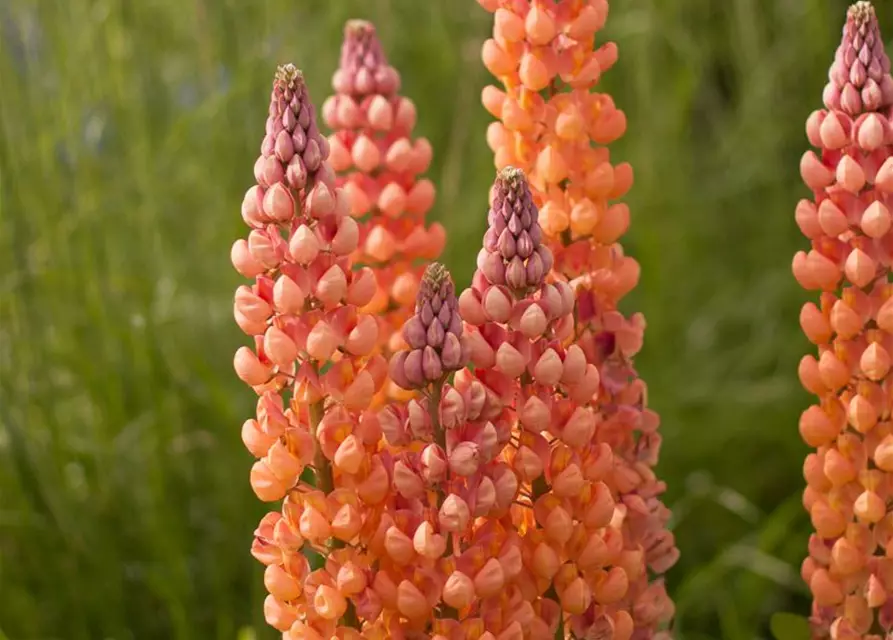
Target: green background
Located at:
point(129, 131)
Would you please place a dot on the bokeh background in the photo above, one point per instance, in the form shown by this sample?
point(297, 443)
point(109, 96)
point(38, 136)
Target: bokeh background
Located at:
point(129, 130)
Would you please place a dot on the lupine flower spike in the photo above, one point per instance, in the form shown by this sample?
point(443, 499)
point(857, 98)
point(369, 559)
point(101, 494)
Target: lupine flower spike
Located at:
point(378, 163)
point(554, 127)
point(311, 369)
point(850, 474)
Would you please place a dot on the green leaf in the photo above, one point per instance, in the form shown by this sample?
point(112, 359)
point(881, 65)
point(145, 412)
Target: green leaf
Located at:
point(789, 626)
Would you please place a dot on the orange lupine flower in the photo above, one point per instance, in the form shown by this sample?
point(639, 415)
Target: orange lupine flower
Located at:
point(848, 221)
point(554, 127)
point(313, 367)
point(378, 164)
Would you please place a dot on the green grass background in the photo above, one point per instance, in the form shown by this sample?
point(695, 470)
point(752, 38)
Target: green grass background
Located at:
point(129, 130)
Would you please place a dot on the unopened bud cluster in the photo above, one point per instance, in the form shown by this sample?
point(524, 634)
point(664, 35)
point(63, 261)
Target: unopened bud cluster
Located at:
point(848, 221)
point(553, 126)
point(378, 164)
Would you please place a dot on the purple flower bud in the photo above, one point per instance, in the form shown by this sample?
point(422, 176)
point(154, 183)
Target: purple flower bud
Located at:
point(436, 334)
point(435, 351)
point(312, 156)
point(444, 315)
point(451, 354)
point(516, 274)
point(426, 313)
point(363, 62)
point(412, 368)
point(506, 245)
point(431, 365)
point(524, 246)
point(299, 139)
point(535, 270)
point(398, 370)
point(860, 67)
point(414, 333)
point(517, 258)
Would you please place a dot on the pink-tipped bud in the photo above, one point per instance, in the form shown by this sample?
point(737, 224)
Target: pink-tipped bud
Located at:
point(458, 591)
point(465, 459)
point(454, 514)
point(304, 245)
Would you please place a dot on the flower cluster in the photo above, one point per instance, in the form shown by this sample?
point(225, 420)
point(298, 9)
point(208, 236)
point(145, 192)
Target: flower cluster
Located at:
point(474, 466)
point(554, 127)
point(848, 222)
point(378, 164)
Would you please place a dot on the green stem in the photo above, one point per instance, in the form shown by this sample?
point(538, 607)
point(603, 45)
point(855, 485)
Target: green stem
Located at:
point(325, 481)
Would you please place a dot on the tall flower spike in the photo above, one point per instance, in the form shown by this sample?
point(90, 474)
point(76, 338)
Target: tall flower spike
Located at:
point(554, 127)
point(315, 372)
point(379, 165)
point(848, 475)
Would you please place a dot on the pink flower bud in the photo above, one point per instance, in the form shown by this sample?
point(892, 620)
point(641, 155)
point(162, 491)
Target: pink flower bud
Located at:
point(267, 487)
point(304, 245)
point(278, 203)
point(434, 464)
point(459, 590)
point(574, 366)
point(485, 497)
point(249, 368)
point(454, 514)
point(398, 546)
point(287, 296)
point(509, 361)
point(548, 369)
point(244, 262)
point(321, 342)
point(427, 542)
point(280, 584)
point(350, 454)
point(506, 483)
point(255, 439)
point(465, 459)
point(347, 237)
point(347, 523)
point(313, 525)
point(362, 287)
point(535, 415)
point(533, 322)
point(579, 428)
point(278, 614)
point(497, 305)
point(332, 286)
point(329, 603)
point(411, 602)
point(490, 579)
point(279, 347)
point(320, 201)
point(407, 482)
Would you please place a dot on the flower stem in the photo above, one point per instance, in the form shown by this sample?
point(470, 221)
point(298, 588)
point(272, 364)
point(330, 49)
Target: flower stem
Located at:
point(325, 481)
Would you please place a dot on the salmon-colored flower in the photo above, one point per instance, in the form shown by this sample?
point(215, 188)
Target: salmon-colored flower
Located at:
point(379, 165)
point(555, 128)
point(848, 223)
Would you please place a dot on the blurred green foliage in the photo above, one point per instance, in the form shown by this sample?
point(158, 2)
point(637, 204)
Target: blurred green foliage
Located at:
point(129, 130)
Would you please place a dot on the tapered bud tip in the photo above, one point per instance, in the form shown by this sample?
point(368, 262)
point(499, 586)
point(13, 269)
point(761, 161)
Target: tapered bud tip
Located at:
point(364, 69)
point(513, 252)
point(512, 176)
point(435, 281)
point(357, 28)
point(288, 76)
point(861, 12)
